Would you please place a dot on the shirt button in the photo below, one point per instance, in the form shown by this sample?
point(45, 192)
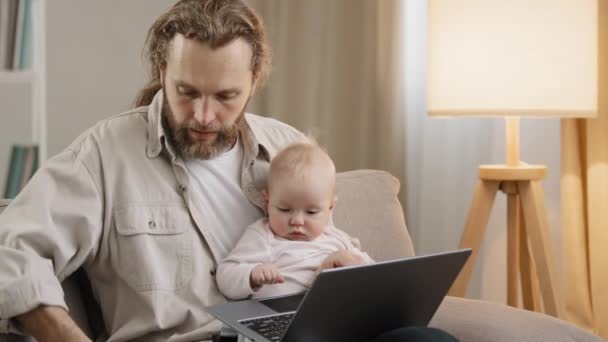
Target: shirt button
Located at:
point(212, 271)
point(152, 224)
point(181, 188)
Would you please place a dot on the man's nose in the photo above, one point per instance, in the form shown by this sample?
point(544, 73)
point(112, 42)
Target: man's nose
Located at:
point(204, 110)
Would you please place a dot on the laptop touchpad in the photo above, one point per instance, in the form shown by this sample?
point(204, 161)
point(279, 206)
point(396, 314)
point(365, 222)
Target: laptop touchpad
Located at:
point(284, 304)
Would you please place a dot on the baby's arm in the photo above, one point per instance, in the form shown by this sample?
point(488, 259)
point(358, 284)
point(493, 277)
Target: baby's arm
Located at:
point(341, 258)
point(234, 272)
point(349, 255)
point(353, 245)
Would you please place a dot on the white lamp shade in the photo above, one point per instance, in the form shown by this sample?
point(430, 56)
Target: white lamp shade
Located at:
point(513, 57)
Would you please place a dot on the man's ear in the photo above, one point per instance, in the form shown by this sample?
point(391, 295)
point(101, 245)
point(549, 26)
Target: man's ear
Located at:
point(254, 87)
point(162, 69)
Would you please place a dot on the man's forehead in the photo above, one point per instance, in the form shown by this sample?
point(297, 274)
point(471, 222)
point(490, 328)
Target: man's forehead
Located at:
point(210, 69)
point(236, 53)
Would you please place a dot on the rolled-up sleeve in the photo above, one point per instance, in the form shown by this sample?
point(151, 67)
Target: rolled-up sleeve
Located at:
point(46, 233)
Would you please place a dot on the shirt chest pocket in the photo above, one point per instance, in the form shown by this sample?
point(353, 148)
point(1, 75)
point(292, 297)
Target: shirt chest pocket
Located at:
point(153, 247)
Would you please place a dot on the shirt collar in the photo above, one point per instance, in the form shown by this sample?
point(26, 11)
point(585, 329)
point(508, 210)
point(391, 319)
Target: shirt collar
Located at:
point(156, 134)
point(157, 139)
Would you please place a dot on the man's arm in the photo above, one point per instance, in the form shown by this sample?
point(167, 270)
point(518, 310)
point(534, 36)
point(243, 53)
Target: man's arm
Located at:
point(51, 323)
point(50, 229)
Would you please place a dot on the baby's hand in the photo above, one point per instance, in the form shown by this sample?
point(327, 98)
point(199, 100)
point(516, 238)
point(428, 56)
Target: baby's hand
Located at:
point(340, 259)
point(265, 274)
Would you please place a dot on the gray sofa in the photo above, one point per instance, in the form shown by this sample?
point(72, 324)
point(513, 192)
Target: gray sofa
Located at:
point(368, 208)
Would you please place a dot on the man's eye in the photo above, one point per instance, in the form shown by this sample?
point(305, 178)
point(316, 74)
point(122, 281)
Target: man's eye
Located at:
point(186, 92)
point(226, 97)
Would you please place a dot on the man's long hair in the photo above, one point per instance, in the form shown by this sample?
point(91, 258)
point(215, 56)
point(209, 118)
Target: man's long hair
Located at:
point(214, 22)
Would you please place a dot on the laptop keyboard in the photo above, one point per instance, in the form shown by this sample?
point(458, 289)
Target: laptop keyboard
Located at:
point(271, 327)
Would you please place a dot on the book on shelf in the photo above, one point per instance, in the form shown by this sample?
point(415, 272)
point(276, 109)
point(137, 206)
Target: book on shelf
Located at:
point(25, 56)
point(28, 165)
point(15, 34)
point(23, 165)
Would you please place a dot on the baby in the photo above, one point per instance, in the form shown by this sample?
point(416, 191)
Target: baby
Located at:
point(282, 253)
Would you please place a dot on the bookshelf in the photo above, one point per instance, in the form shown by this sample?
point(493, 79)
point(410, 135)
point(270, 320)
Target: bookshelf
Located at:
point(18, 86)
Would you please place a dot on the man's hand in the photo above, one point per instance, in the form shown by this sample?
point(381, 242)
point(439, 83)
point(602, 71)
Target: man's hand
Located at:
point(341, 259)
point(51, 323)
point(265, 274)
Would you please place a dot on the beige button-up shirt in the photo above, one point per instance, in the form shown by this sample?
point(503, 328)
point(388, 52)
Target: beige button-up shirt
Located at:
point(118, 202)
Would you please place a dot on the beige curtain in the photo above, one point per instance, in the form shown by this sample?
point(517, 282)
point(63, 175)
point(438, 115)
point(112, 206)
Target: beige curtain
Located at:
point(585, 206)
point(338, 74)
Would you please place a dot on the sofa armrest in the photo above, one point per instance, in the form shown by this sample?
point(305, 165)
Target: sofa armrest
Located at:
point(481, 321)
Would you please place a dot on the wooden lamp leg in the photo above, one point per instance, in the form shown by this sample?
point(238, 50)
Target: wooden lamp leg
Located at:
point(529, 283)
point(513, 232)
point(477, 220)
point(537, 227)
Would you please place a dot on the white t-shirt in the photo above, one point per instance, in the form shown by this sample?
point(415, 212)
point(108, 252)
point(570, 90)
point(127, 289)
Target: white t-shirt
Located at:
point(217, 188)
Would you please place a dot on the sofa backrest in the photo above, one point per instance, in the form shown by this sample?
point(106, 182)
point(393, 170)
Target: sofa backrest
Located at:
point(368, 209)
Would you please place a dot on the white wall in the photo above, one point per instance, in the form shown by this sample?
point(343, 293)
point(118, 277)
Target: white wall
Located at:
point(94, 61)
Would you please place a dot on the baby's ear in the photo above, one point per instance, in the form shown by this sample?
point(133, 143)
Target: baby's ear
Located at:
point(333, 203)
point(265, 195)
point(266, 198)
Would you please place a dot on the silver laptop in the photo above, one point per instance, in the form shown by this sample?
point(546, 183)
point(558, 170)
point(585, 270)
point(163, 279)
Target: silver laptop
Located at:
point(351, 303)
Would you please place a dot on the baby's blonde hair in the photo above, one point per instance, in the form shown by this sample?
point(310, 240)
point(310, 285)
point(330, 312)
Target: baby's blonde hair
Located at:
point(297, 159)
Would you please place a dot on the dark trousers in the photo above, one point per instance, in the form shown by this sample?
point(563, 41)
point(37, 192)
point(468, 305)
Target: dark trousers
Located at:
point(415, 334)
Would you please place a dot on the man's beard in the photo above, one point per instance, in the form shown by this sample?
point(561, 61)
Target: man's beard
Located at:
point(186, 147)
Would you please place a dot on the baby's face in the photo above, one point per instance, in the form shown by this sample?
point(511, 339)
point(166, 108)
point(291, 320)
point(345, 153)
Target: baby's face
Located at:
point(300, 208)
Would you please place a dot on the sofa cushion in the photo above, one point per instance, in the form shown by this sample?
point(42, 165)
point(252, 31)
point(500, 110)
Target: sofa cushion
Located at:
point(368, 208)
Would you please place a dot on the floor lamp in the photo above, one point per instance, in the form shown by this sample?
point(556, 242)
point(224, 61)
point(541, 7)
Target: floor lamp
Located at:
point(514, 59)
